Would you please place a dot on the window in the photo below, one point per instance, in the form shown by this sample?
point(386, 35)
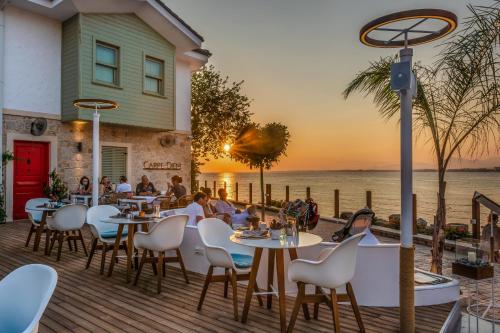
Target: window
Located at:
point(106, 63)
point(114, 162)
point(153, 76)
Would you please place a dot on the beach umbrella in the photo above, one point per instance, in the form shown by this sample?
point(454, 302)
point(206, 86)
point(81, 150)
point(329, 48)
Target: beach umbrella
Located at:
point(96, 105)
point(402, 30)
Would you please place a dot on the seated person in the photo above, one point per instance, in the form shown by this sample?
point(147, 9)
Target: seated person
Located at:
point(176, 188)
point(208, 208)
point(83, 186)
point(223, 206)
point(145, 187)
point(486, 235)
point(123, 187)
point(242, 220)
point(195, 209)
point(105, 186)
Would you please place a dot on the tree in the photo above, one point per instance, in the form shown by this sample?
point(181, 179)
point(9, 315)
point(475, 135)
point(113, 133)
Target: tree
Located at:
point(457, 104)
point(219, 110)
point(261, 147)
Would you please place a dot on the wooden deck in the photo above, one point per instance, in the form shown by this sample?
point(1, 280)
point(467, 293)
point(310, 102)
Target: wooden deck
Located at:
point(85, 301)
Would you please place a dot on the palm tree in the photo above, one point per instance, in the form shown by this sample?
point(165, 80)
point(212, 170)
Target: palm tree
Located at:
point(457, 104)
point(261, 147)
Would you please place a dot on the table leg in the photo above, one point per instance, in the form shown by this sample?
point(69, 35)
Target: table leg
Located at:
point(130, 249)
point(270, 276)
point(115, 249)
point(280, 270)
point(251, 283)
point(305, 308)
point(39, 231)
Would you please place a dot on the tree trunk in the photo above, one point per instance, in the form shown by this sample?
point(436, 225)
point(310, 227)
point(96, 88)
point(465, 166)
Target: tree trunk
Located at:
point(438, 236)
point(262, 198)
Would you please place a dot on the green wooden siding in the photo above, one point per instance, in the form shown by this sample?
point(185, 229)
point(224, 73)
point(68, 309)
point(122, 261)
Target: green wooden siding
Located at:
point(135, 40)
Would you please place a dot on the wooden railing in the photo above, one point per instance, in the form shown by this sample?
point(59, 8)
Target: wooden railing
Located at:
point(336, 197)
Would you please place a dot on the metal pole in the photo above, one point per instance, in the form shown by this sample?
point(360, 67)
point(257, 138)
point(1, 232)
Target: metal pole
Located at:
point(407, 253)
point(95, 159)
point(2, 48)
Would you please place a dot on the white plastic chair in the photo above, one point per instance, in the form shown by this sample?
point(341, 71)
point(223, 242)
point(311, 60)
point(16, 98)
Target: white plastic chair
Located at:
point(222, 252)
point(66, 224)
point(35, 216)
point(102, 232)
point(334, 270)
point(164, 236)
point(24, 295)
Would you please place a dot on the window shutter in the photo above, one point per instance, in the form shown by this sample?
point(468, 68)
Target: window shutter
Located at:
point(114, 162)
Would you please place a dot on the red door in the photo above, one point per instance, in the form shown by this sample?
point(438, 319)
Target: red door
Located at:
point(31, 173)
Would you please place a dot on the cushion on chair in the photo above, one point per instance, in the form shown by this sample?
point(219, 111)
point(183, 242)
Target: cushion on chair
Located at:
point(112, 233)
point(242, 261)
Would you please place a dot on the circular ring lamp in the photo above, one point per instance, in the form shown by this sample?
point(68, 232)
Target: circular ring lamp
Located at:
point(404, 29)
point(96, 105)
point(392, 24)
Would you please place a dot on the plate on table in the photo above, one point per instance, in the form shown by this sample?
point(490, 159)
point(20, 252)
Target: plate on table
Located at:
point(254, 234)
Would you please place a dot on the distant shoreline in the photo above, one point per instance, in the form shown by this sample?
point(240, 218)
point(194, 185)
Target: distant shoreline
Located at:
point(496, 169)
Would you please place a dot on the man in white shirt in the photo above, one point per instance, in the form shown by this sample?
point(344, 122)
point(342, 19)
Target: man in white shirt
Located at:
point(195, 209)
point(223, 206)
point(123, 187)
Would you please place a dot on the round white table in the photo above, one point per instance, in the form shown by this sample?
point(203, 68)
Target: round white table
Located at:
point(276, 252)
point(122, 222)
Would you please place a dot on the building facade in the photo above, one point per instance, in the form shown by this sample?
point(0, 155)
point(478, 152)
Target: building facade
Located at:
point(137, 53)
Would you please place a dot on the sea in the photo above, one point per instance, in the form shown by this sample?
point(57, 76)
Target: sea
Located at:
point(352, 185)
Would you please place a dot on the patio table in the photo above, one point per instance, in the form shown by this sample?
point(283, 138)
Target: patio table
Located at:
point(86, 198)
point(276, 251)
point(122, 222)
point(43, 221)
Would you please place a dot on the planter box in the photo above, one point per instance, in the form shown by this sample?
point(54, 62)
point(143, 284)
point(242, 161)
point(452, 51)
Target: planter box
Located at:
point(472, 272)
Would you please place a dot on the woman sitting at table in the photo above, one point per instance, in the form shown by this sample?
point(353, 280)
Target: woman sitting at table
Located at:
point(208, 208)
point(243, 219)
point(84, 186)
point(105, 186)
point(223, 206)
point(124, 186)
point(176, 188)
point(145, 187)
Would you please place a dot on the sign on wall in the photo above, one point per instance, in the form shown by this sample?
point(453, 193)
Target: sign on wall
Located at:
point(147, 165)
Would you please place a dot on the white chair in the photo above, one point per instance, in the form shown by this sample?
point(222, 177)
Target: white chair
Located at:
point(334, 270)
point(222, 252)
point(165, 235)
point(24, 295)
point(102, 232)
point(35, 216)
point(66, 224)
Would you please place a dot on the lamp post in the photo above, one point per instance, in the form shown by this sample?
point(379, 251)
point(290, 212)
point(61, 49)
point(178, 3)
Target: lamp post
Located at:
point(404, 82)
point(96, 105)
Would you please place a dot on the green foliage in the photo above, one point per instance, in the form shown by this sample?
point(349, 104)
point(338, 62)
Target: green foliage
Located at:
point(219, 110)
point(457, 103)
point(7, 156)
point(56, 190)
point(261, 147)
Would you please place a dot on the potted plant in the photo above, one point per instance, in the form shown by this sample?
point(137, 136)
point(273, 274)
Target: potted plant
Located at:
point(6, 158)
point(55, 190)
point(275, 229)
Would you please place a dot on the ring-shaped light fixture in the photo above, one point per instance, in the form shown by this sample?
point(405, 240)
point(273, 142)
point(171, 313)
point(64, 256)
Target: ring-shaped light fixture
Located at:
point(95, 103)
point(423, 14)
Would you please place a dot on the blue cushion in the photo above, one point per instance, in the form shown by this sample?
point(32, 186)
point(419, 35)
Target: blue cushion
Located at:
point(112, 233)
point(37, 221)
point(242, 260)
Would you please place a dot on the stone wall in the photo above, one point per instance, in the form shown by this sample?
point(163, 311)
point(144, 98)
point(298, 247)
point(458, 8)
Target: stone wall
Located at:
point(144, 146)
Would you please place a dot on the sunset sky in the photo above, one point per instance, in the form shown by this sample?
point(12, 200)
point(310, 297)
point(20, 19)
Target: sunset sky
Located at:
point(296, 57)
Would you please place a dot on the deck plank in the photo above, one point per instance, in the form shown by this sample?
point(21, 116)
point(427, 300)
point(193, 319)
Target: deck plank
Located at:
point(85, 301)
